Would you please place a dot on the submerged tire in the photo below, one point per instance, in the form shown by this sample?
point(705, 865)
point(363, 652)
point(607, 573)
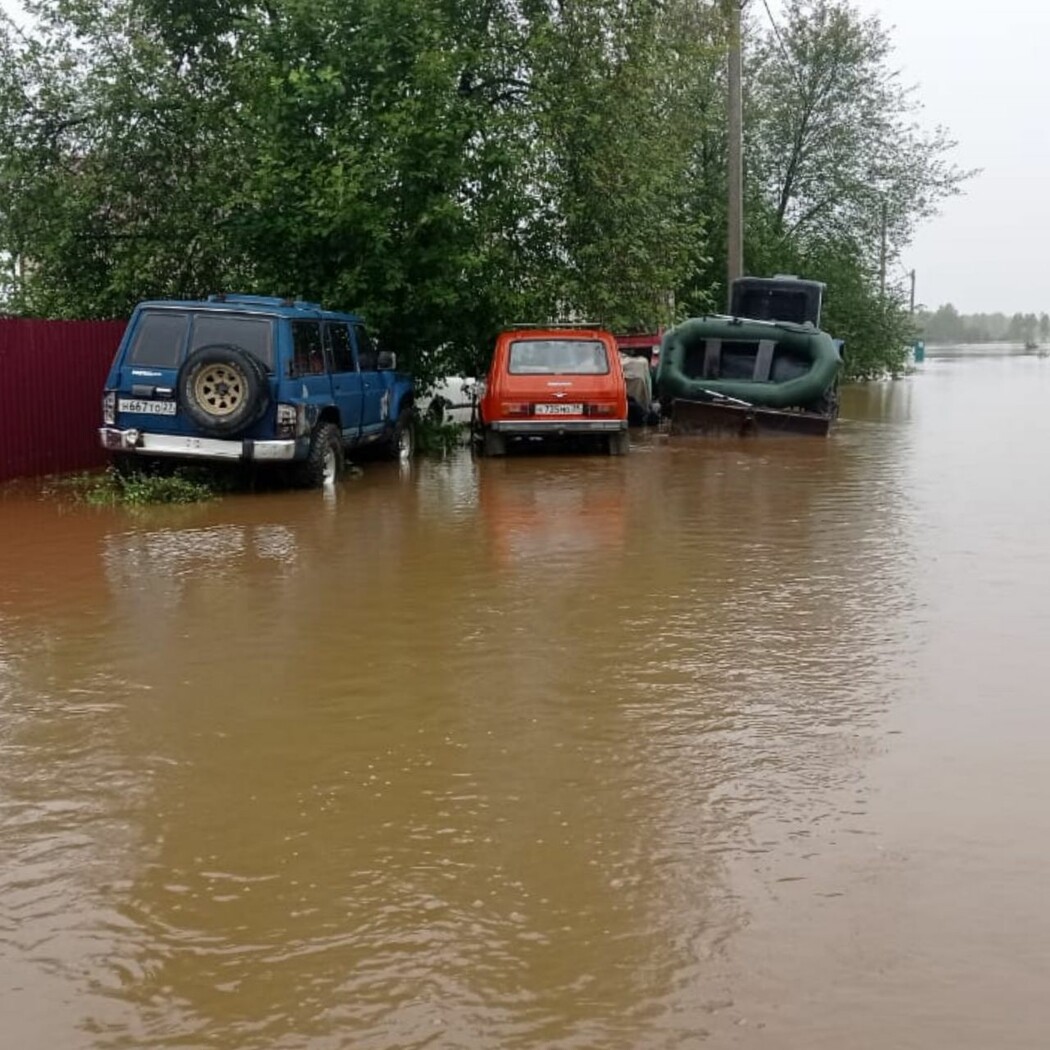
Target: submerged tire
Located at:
point(493, 443)
point(223, 389)
point(325, 460)
point(131, 464)
point(402, 444)
point(619, 443)
point(127, 463)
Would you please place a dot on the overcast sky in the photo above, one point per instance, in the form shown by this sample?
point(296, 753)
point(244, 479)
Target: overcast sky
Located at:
point(983, 71)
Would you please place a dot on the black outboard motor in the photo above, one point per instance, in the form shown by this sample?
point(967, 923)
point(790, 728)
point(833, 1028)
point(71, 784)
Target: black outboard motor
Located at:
point(781, 298)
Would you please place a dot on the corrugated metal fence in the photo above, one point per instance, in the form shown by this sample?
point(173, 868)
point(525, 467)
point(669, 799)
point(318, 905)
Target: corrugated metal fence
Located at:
point(51, 379)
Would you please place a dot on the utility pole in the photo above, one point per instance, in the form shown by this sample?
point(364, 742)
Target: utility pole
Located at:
point(735, 164)
point(911, 274)
point(882, 255)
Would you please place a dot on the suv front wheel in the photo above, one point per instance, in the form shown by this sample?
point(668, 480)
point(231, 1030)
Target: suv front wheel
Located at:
point(403, 440)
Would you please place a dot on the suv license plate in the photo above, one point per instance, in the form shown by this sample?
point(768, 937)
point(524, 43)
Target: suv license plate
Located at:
point(146, 408)
point(559, 410)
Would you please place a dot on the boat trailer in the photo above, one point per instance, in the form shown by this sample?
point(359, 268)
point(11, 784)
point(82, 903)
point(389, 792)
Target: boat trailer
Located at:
point(720, 414)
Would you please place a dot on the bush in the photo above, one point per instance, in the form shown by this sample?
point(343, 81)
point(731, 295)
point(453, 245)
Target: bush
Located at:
point(136, 489)
point(437, 438)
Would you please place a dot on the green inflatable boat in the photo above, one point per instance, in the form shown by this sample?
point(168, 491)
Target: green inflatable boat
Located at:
point(766, 364)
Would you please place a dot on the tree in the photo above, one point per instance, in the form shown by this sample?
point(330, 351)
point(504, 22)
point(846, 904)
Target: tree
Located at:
point(837, 163)
point(117, 158)
point(444, 167)
point(835, 147)
point(612, 115)
point(448, 167)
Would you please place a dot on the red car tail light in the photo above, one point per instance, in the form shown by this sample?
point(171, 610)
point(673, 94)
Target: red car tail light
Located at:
point(516, 408)
point(606, 409)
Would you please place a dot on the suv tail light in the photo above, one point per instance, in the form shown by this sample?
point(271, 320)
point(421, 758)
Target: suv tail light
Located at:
point(109, 408)
point(290, 421)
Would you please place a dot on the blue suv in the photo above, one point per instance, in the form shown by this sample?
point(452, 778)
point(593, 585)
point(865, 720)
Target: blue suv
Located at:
point(253, 378)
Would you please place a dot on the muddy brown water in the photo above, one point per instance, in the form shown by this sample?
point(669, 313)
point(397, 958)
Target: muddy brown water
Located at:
point(722, 744)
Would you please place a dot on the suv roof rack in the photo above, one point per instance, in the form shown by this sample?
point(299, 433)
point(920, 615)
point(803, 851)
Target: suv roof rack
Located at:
point(264, 300)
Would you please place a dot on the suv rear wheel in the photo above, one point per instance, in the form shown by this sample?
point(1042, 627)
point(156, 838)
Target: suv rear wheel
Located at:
point(223, 389)
point(128, 464)
point(324, 462)
point(403, 440)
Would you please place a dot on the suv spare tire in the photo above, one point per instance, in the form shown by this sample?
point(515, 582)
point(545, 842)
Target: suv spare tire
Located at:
point(223, 389)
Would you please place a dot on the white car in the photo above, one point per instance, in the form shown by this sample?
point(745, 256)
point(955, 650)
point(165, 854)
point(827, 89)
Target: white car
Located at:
point(451, 400)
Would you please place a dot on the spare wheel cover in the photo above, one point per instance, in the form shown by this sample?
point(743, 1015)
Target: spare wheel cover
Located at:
point(223, 389)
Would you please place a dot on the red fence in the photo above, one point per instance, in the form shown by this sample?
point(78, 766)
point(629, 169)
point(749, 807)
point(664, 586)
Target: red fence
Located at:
point(51, 379)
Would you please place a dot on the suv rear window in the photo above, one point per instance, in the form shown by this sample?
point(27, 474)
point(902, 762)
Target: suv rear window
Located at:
point(161, 336)
point(558, 357)
point(254, 334)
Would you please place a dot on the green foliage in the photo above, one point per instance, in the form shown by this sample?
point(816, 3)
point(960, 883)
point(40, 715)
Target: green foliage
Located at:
point(835, 148)
point(447, 168)
point(627, 228)
point(436, 437)
point(444, 168)
point(877, 328)
point(840, 172)
point(137, 489)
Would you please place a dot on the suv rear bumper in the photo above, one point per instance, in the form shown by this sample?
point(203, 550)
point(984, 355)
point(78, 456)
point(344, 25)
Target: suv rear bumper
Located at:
point(537, 428)
point(147, 444)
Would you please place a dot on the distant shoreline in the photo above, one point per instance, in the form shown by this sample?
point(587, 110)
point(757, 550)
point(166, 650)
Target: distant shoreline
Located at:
point(994, 345)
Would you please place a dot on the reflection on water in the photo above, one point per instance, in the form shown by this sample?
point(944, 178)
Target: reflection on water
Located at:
point(564, 751)
point(554, 513)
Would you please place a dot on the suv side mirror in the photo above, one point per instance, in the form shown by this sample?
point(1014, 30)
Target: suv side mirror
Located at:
point(387, 361)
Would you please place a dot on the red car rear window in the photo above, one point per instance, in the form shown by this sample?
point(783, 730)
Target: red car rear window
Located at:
point(581, 357)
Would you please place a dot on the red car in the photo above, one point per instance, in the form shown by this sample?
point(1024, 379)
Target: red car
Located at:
point(559, 382)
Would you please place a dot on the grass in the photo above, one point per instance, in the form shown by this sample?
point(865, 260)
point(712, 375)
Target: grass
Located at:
point(112, 488)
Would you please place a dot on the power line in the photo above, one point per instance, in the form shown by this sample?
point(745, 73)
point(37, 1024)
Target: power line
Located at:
point(783, 47)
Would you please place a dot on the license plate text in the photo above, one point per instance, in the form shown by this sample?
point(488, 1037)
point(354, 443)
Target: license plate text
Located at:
point(146, 408)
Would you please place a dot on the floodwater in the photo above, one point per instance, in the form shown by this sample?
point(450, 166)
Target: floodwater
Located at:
point(724, 743)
